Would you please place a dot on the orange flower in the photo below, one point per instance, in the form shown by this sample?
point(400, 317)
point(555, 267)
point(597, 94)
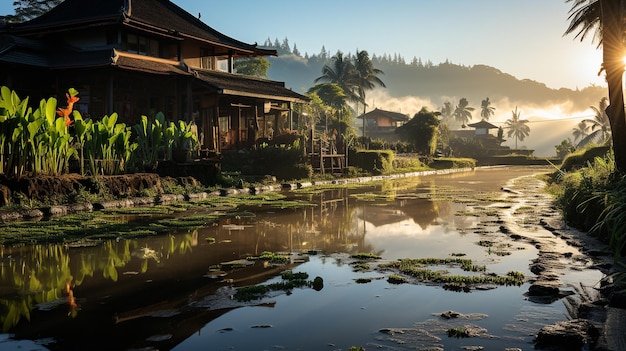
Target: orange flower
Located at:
point(65, 112)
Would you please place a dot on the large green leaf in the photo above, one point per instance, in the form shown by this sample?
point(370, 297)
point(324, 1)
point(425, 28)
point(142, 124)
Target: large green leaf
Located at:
point(51, 110)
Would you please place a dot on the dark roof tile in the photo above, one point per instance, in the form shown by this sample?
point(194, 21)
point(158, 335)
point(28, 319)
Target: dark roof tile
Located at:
point(235, 84)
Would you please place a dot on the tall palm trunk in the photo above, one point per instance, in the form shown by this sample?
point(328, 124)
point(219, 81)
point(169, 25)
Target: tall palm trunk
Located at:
point(612, 54)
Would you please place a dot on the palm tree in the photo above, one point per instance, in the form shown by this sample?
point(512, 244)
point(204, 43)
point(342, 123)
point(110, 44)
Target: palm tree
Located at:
point(517, 127)
point(599, 125)
point(463, 112)
point(580, 131)
point(486, 110)
point(365, 77)
point(339, 71)
point(605, 19)
point(447, 112)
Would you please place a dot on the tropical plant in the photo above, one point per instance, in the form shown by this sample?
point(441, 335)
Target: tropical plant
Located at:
point(447, 112)
point(463, 112)
point(341, 72)
point(599, 125)
point(150, 142)
point(604, 18)
point(334, 105)
point(580, 131)
point(365, 76)
point(108, 147)
point(421, 131)
point(181, 140)
point(517, 127)
point(34, 141)
point(564, 148)
point(486, 110)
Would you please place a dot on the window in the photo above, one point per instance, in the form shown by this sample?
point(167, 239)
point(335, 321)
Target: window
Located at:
point(137, 44)
point(206, 60)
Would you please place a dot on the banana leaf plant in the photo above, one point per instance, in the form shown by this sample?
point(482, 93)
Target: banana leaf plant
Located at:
point(150, 134)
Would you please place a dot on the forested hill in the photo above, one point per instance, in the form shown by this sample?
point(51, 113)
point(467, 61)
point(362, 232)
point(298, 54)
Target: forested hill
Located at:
point(440, 82)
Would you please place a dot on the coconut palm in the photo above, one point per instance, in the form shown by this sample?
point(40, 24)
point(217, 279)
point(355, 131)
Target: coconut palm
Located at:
point(605, 19)
point(447, 112)
point(365, 77)
point(517, 127)
point(580, 131)
point(365, 74)
point(339, 71)
point(599, 125)
point(486, 110)
point(463, 112)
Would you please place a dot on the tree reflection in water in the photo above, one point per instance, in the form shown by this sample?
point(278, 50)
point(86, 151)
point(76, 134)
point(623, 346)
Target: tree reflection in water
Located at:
point(126, 281)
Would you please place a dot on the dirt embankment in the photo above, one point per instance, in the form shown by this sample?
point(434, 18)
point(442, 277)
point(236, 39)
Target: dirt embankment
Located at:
point(66, 188)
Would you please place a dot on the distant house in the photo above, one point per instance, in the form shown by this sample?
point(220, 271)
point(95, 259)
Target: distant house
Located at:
point(492, 143)
point(136, 57)
point(382, 124)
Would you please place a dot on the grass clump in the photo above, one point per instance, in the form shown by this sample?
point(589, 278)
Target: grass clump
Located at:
point(270, 257)
point(458, 332)
point(396, 279)
point(290, 281)
point(365, 256)
point(418, 269)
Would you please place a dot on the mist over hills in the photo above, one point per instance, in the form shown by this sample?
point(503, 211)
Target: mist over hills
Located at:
point(552, 113)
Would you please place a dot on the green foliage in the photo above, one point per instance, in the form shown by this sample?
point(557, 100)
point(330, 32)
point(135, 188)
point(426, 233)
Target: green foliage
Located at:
point(449, 163)
point(593, 198)
point(564, 148)
point(375, 161)
point(581, 158)
point(421, 131)
point(108, 146)
point(149, 133)
point(28, 9)
point(256, 66)
point(32, 141)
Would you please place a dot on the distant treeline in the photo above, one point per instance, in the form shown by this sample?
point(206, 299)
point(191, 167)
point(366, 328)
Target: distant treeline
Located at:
point(437, 82)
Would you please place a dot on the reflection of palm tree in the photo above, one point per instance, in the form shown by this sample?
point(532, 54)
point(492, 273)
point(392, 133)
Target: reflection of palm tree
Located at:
point(580, 131)
point(486, 110)
point(600, 125)
point(517, 127)
point(463, 112)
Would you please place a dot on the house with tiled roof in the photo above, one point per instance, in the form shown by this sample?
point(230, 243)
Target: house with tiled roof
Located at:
point(136, 57)
point(382, 124)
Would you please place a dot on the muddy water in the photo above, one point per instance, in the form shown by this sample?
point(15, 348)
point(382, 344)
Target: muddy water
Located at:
point(176, 291)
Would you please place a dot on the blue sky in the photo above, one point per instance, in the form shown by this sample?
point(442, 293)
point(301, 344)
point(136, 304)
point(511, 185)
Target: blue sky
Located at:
point(523, 38)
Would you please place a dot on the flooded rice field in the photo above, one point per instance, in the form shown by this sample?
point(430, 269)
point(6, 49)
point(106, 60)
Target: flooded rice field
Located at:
point(425, 263)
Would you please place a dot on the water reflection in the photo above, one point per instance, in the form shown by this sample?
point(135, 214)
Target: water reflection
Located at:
point(156, 292)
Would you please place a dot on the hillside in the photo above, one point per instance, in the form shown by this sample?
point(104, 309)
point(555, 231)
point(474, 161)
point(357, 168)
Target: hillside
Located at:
point(443, 82)
point(413, 86)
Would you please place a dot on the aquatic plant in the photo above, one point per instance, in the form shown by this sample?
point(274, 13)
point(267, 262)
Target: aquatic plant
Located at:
point(458, 332)
point(396, 279)
point(417, 268)
point(270, 257)
point(290, 281)
point(365, 256)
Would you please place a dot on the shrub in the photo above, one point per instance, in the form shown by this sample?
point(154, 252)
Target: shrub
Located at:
point(375, 161)
point(581, 158)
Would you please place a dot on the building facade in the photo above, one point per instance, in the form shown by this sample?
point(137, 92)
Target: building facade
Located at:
point(139, 57)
